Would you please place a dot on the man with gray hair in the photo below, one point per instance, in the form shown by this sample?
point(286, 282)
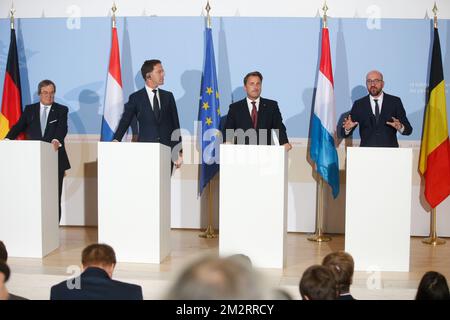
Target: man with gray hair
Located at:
point(46, 120)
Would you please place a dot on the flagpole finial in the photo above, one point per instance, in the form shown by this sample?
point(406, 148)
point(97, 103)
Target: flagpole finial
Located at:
point(12, 11)
point(435, 11)
point(208, 16)
point(325, 9)
point(114, 9)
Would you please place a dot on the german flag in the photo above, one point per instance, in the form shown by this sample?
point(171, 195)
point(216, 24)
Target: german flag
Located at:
point(434, 162)
point(12, 99)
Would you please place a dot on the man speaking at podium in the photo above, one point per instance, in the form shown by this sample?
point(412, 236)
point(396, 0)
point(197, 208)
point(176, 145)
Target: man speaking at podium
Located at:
point(46, 121)
point(155, 110)
point(251, 120)
point(379, 116)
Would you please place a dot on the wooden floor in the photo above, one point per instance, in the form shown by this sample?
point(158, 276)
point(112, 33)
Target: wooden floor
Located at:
point(33, 278)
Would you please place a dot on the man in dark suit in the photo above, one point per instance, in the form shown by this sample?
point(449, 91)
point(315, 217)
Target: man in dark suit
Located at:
point(96, 283)
point(46, 121)
point(155, 110)
point(379, 115)
point(251, 120)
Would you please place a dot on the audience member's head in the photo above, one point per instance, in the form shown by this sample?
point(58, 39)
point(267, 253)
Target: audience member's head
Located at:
point(3, 252)
point(4, 276)
point(342, 265)
point(433, 286)
point(100, 256)
point(280, 294)
point(241, 258)
point(214, 278)
point(318, 283)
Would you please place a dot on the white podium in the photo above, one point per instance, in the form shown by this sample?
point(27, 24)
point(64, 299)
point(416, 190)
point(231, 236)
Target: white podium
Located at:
point(134, 200)
point(29, 198)
point(253, 203)
point(378, 208)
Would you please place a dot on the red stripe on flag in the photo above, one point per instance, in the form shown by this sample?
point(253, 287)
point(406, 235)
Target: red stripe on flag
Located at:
point(11, 108)
point(437, 176)
point(325, 57)
point(114, 58)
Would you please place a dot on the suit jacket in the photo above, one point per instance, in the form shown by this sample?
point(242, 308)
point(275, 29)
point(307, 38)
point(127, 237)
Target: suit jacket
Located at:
point(95, 284)
point(30, 123)
point(381, 134)
point(346, 296)
point(151, 130)
point(269, 117)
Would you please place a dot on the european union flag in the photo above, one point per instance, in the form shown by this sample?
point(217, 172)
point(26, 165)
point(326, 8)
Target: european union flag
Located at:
point(209, 116)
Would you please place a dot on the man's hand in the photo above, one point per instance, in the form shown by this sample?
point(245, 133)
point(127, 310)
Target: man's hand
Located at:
point(115, 140)
point(348, 123)
point(287, 146)
point(56, 144)
point(396, 124)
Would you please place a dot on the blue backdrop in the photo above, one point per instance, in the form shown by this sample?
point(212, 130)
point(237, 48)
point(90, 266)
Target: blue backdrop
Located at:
point(285, 50)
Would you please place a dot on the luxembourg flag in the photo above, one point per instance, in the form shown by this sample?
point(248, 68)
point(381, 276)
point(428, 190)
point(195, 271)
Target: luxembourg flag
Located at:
point(113, 108)
point(323, 128)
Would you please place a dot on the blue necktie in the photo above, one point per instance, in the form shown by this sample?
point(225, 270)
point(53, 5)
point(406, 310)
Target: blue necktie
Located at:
point(44, 120)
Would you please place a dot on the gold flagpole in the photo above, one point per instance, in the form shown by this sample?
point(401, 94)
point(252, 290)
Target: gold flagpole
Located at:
point(11, 18)
point(433, 238)
point(318, 236)
point(113, 16)
point(209, 232)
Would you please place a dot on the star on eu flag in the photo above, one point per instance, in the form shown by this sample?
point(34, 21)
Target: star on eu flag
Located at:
point(208, 121)
point(218, 111)
point(217, 94)
point(205, 105)
point(209, 90)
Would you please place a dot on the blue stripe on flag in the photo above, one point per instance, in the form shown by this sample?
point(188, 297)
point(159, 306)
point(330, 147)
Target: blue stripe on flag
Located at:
point(324, 154)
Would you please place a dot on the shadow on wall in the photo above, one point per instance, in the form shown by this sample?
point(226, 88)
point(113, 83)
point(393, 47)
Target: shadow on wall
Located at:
point(188, 104)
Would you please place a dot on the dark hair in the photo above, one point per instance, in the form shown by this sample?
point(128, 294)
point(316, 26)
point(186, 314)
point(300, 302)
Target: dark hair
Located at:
point(3, 252)
point(5, 270)
point(318, 283)
point(342, 265)
point(148, 67)
point(45, 83)
point(253, 74)
point(98, 254)
point(433, 286)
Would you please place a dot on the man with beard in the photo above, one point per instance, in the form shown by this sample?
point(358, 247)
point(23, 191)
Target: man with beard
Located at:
point(379, 116)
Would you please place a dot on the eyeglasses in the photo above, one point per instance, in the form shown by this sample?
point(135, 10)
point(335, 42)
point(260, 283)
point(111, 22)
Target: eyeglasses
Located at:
point(375, 81)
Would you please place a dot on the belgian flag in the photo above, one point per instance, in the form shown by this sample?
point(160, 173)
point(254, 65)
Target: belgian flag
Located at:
point(12, 99)
point(434, 162)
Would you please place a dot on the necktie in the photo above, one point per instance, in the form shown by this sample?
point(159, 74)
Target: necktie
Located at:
point(254, 115)
point(156, 109)
point(377, 110)
point(44, 119)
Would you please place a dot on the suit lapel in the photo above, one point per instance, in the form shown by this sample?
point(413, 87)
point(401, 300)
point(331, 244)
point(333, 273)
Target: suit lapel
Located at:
point(384, 109)
point(147, 105)
point(246, 113)
point(370, 112)
point(163, 103)
point(261, 113)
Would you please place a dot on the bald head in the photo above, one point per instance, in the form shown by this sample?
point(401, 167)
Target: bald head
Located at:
point(374, 83)
point(374, 74)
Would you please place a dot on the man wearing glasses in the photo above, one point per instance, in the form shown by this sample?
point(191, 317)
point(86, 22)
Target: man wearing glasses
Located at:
point(46, 121)
point(379, 116)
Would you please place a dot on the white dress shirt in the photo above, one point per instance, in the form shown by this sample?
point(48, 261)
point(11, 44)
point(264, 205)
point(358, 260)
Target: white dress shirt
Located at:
point(151, 95)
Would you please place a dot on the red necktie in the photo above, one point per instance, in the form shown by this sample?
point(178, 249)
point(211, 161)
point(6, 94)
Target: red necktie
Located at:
point(254, 115)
